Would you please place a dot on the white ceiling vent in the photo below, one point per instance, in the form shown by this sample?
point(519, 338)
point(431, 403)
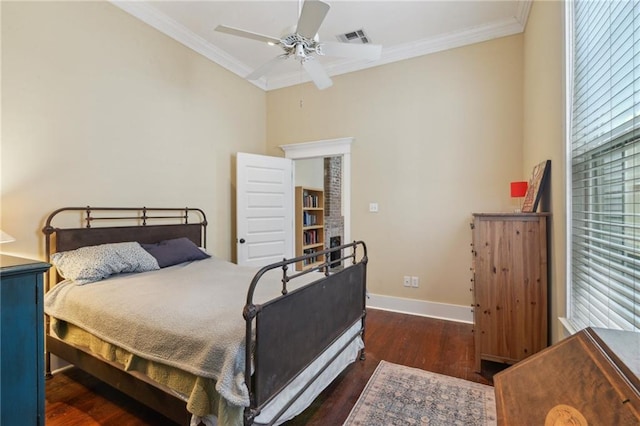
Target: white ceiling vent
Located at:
point(357, 36)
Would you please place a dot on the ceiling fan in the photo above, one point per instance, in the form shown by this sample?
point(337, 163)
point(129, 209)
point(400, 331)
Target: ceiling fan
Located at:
point(303, 44)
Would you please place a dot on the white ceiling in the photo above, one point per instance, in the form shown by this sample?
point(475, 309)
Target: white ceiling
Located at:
point(405, 29)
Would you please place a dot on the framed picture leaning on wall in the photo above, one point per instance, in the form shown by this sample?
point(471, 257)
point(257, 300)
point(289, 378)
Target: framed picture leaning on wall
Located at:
point(536, 186)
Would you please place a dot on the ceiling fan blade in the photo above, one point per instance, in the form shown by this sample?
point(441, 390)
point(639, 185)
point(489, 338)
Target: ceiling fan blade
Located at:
point(371, 52)
point(317, 73)
point(311, 17)
point(266, 67)
point(247, 34)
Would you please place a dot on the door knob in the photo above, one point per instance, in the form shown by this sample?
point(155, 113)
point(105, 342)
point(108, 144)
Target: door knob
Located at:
point(241, 241)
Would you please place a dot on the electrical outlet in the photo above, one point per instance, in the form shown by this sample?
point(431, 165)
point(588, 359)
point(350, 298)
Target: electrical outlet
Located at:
point(407, 281)
point(415, 282)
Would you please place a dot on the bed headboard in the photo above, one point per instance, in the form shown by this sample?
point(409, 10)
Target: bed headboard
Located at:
point(101, 225)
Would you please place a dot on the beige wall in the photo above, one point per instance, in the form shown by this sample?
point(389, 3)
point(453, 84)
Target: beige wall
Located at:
point(309, 172)
point(436, 138)
point(544, 131)
point(100, 109)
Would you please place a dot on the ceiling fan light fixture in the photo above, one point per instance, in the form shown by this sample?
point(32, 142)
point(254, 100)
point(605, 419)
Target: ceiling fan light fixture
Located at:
point(300, 51)
point(303, 43)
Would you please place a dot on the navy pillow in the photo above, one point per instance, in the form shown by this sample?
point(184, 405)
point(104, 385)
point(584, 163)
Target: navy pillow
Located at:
point(172, 252)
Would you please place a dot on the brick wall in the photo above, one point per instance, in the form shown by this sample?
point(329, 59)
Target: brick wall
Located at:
point(334, 221)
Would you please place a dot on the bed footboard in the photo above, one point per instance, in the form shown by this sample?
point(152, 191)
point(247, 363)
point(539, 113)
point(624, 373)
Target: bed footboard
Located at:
point(293, 330)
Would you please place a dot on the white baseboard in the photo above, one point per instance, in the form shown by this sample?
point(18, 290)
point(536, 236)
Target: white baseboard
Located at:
point(423, 308)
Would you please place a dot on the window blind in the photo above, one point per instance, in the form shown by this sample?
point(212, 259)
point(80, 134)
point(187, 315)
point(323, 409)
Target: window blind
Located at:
point(605, 165)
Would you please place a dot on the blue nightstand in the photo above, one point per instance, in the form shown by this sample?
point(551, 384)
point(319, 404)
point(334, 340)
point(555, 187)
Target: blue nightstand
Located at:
point(21, 341)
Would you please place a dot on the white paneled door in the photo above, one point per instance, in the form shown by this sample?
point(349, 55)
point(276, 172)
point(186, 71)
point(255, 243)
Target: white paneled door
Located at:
point(264, 197)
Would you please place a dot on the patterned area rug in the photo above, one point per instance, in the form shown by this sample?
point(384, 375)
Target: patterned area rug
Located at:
point(399, 395)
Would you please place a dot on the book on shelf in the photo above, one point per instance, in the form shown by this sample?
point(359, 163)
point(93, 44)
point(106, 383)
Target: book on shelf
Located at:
point(310, 200)
point(310, 237)
point(309, 219)
point(309, 260)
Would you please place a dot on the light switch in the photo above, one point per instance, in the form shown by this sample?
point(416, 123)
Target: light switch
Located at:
point(373, 207)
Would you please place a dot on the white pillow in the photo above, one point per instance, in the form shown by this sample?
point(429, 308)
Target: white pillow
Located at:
point(95, 263)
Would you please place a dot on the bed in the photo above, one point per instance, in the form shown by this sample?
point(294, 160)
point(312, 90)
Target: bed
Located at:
point(200, 340)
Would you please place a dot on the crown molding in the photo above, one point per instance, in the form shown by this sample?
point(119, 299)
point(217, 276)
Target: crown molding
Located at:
point(411, 50)
point(161, 22)
point(524, 7)
point(158, 20)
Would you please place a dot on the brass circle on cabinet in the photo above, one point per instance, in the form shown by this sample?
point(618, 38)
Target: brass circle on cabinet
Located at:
point(564, 415)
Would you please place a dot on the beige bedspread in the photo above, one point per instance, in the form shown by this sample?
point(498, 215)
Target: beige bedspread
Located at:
point(186, 316)
point(198, 393)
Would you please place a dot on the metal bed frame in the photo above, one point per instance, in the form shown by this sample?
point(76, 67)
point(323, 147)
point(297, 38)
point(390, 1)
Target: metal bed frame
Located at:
point(291, 331)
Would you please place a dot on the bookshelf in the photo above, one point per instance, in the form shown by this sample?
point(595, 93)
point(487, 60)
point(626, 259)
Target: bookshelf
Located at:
point(309, 225)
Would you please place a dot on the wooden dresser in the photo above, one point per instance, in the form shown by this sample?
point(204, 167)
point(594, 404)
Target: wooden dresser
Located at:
point(509, 264)
point(590, 378)
point(22, 341)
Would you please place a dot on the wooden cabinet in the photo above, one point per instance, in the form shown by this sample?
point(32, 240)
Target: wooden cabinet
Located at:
point(22, 341)
point(309, 225)
point(510, 286)
point(590, 378)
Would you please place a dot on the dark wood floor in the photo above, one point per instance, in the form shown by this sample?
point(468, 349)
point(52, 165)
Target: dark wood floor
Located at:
point(445, 347)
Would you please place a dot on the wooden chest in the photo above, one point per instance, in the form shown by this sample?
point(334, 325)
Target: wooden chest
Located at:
point(590, 378)
point(510, 285)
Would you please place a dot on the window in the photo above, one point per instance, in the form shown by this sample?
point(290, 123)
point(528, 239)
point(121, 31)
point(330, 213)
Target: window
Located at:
point(605, 165)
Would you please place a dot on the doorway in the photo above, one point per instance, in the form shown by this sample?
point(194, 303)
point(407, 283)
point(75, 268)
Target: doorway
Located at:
point(328, 149)
point(325, 173)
